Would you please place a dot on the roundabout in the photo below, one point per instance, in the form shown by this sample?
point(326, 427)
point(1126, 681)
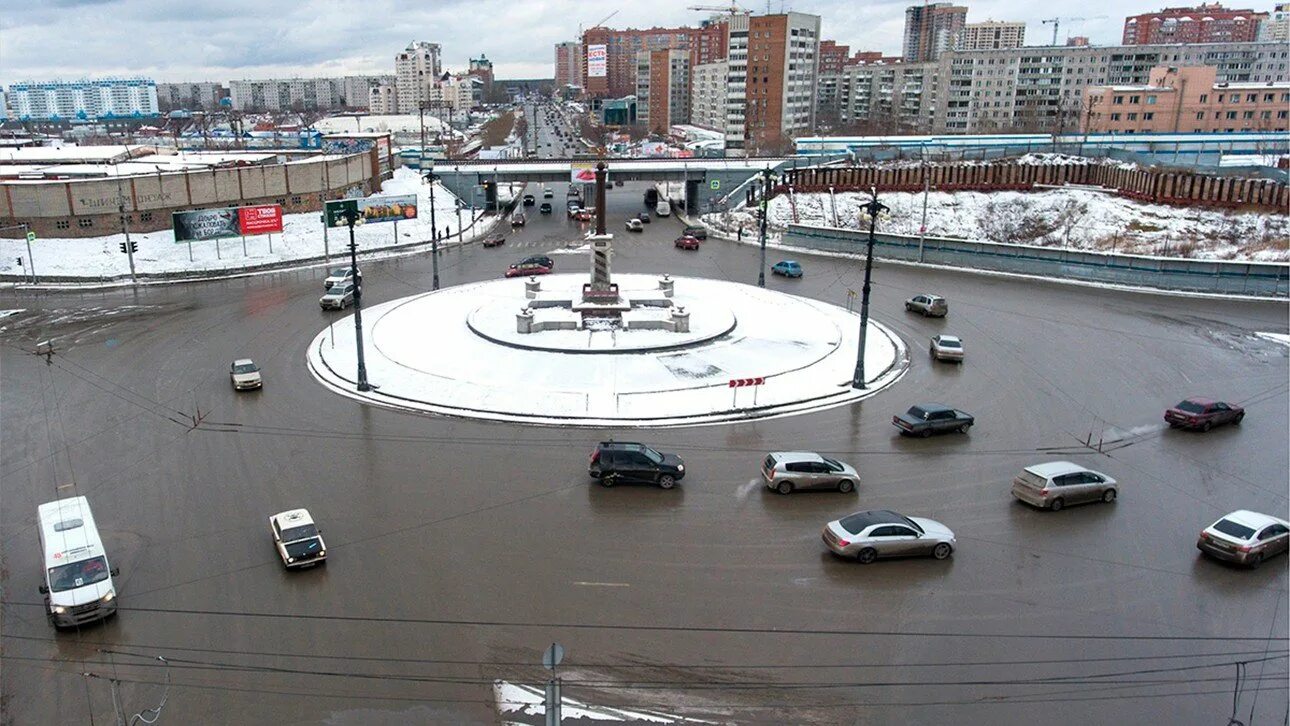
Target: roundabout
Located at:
point(528, 351)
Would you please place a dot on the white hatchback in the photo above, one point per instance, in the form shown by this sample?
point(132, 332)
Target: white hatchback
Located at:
point(298, 540)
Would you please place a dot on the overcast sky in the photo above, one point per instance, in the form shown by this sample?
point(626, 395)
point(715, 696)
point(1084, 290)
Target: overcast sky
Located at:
point(174, 40)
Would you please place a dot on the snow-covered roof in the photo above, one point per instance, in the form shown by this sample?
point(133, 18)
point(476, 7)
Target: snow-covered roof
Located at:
point(73, 154)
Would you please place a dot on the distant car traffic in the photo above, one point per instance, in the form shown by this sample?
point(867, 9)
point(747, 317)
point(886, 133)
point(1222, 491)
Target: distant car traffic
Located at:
point(685, 242)
point(338, 297)
point(494, 240)
point(545, 208)
point(789, 471)
point(867, 536)
point(947, 347)
point(518, 219)
point(1203, 414)
point(297, 539)
point(1245, 537)
point(787, 268)
point(337, 276)
point(529, 200)
point(926, 419)
point(634, 225)
point(548, 193)
point(1057, 483)
point(699, 233)
point(620, 462)
point(245, 375)
point(930, 306)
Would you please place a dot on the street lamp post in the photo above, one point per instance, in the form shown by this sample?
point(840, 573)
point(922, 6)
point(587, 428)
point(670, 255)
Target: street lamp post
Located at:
point(431, 178)
point(873, 208)
point(764, 208)
point(352, 218)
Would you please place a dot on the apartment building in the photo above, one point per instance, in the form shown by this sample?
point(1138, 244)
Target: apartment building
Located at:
point(708, 95)
point(568, 64)
point(195, 96)
point(992, 35)
point(931, 30)
point(1042, 88)
point(833, 57)
point(662, 88)
point(1186, 99)
point(100, 98)
point(615, 75)
point(888, 98)
point(1206, 23)
point(1277, 26)
point(299, 94)
point(416, 69)
point(383, 100)
point(774, 62)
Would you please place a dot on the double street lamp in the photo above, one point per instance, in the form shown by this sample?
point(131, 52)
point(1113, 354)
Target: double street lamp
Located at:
point(873, 208)
point(353, 217)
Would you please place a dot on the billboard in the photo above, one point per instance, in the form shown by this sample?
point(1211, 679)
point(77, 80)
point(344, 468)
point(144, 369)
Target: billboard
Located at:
point(373, 209)
point(584, 172)
point(262, 219)
point(597, 61)
point(204, 224)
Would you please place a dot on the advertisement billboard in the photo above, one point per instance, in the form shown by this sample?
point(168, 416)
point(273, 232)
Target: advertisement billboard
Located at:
point(390, 208)
point(262, 219)
point(584, 172)
point(197, 225)
point(597, 61)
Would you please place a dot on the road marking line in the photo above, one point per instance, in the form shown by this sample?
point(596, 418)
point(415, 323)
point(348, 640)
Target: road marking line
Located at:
point(603, 584)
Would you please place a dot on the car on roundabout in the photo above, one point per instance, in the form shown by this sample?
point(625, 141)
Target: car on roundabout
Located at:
point(787, 268)
point(929, 306)
point(1203, 414)
point(947, 348)
point(338, 276)
point(245, 375)
point(525, 269)
point(925, 419)
point(1055, 484)
point(789, 471)
point(338, 297)
point(686, 242)
point(634, 225)
point(870, 535)
point(624, 462)
point(1245, 538)
point(494, 240)
point(297, 539)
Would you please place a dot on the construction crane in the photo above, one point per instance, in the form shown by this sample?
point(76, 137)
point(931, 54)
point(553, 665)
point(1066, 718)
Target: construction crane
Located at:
point(733, 8)
point(1056, 23)
point(598, 24)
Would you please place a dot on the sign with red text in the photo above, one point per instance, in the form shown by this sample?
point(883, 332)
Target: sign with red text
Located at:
point(261, 219)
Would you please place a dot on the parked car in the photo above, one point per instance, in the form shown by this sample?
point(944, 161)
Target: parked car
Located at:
point(788, 471)
point(518, 219)
point(548, 193)
point(787, 268)
point(947, 347)
point(545, 208)
point(926, 419)
point(643, 217)
point(338, 297)
point(1245, 537)
point(699, 233)
point(337, 276)
point(494, 240)
point(524, 269)
point(1203, 414)
point(297, 539)
point(621, 462)
point(931, 306)
point(245, 375)
point(1057, 483)
point(686, 242)
point(634, 225)
point(529, 200)
point(869, 535)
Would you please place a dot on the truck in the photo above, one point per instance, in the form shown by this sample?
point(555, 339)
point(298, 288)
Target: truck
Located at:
point(926, 419)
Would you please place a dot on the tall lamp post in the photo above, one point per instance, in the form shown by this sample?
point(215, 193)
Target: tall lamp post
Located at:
point(764, 208)
point(352, 217)
point(430, 178)
point(873, 208)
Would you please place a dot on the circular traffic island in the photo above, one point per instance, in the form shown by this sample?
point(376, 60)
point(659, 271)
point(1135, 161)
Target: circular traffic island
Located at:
point(645, 351)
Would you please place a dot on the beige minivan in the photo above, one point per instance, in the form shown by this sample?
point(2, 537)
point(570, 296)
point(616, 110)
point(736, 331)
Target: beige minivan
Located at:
point(1057, 483)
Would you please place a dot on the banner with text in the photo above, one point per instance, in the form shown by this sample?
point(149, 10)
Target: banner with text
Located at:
point(262, 219)
point(373, 209)
point(198, 225)
point(597, 61)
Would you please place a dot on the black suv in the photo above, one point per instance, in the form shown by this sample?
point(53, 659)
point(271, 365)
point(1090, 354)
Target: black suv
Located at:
point(696, 232)
point(616, 462)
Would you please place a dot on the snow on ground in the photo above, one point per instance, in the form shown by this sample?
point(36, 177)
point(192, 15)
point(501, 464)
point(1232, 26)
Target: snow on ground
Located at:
point(406, 123)
point(1281, 338)
point(531, 701)
point(302, 238)
point(1073, 217)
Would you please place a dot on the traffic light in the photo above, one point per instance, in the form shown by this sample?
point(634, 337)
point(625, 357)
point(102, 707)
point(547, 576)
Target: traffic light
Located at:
point(134, 247)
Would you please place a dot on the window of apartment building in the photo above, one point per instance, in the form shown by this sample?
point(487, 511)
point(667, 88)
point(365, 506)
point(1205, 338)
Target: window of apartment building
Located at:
point(1148, 116)
point(1251, 97)
point(1200, 115)
point(1135, 99)
point(1281, 114)
point(1151, 100)
point(1220, 98)
point(1133, 117)
point(1204, 98)
point(1247, 115)
point(1266, 115)
point(84, 223)
point(1231, 115)
point(1115, 117)
point(1118, 100)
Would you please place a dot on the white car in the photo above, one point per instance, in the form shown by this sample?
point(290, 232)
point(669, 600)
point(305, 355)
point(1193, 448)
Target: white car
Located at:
point(1245, 537)
point(338, 276)
point(635, 225)
point(298, 540)
point(245, 374)
point(947, 347)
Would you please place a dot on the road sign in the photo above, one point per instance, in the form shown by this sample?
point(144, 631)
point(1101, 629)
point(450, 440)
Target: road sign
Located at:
point(31, 236)
point(552, 656)
point(743, 382)
point(714, 185)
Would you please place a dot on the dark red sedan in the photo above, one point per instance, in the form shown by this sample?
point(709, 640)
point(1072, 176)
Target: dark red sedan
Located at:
point(686, 242)
point(524, 269)
point(494, 240)
point(1203, 414)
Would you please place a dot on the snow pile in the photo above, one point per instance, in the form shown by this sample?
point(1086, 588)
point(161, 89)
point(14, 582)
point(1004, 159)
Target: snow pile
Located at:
point(406, 123)
point(302, 238)
point(1072, 217)
point(518, 699)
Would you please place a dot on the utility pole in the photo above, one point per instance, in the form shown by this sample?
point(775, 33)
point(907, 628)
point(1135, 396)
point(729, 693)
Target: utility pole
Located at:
point(927, 182)
point(431, 178)
point(352, 218)
point(125, 227)
point(873, 208)
point(764, 207)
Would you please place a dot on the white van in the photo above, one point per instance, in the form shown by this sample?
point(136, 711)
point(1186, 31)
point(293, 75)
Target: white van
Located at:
point(78, 579)
point(663, 208)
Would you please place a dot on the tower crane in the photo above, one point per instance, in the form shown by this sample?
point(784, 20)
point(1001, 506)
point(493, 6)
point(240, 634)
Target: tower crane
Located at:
point(1056, 23)
point(599, 23)
point(733, 8)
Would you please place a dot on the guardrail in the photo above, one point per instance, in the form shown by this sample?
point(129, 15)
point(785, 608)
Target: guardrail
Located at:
point(1261, 279)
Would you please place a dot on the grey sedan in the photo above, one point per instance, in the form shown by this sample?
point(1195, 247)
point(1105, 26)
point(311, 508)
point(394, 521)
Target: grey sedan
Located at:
point(869, 535)
point(788, 471)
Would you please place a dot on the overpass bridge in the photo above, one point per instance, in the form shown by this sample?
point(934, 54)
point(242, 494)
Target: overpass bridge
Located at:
point(709, 183)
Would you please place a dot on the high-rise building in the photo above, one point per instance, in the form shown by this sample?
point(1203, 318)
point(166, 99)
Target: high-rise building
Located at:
point(931, 29)
point(568, 64)
point(708, 95)
point(662, 88)
point(708, 41)
point(887, 98)
point(1211, 23)
point(416, 70)
point(383, 100)
point(833, 57)
point(774, 66)
point(300, 94)
point(1186, 99)
point(1276, 27)
point(992, 35)
point(482, 68)
point(196, 96)
point(86, 100)
point(609, 56)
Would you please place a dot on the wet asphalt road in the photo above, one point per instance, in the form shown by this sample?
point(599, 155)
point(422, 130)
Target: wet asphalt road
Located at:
point(434, 521)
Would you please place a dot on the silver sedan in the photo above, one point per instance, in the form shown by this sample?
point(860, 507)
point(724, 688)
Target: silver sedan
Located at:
point(866, 536)
point(947, 347)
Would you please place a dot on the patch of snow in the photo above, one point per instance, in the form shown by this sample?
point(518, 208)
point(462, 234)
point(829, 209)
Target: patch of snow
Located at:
point(7, 313)
point(530, 701)
point(1281, 338)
